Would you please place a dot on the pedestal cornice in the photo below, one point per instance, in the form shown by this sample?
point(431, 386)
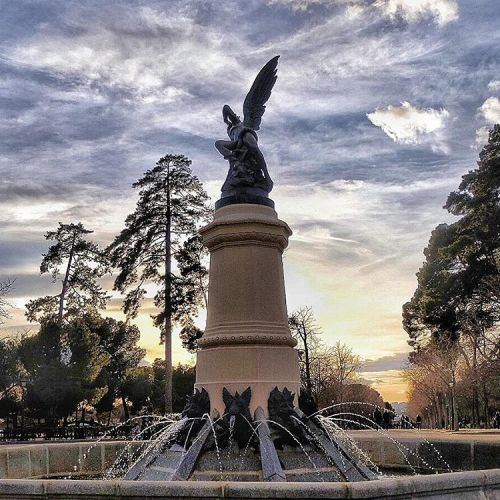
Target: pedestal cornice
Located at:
point(246, 225)
point(248, 332)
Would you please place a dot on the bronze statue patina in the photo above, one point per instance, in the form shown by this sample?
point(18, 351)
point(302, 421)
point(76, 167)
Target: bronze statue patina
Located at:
point(248, 180)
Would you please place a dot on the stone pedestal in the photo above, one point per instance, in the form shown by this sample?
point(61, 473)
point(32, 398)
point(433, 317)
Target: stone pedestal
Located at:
point(247, 342)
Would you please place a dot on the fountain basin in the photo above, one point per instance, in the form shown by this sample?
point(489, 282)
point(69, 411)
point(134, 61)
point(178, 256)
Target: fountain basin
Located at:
point(23, 467)
point(467, 485)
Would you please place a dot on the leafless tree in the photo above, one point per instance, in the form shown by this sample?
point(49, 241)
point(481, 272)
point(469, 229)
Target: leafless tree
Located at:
point(305, 329)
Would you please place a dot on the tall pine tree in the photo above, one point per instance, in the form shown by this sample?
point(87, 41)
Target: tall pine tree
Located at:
point(79, 263)
point(158, 245)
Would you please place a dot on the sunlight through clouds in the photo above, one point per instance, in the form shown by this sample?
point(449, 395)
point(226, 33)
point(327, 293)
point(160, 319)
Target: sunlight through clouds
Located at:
point(490, 110)
point(407, 124)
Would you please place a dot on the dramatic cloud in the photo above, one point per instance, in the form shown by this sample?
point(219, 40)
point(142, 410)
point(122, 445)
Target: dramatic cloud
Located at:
point(406, 124)
point(443, 11)
point(395, 362)
point(494, 85)
point(490, 110)
point(300, 4)
point(411, 11)
point(152, 54)
point(482, 135)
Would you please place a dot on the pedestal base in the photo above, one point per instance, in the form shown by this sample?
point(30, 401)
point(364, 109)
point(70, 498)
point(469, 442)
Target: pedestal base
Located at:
point(262, 368)
point(247, 341)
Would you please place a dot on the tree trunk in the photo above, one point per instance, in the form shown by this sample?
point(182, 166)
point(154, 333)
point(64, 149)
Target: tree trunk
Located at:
point(475, 395)
point(167, 328)
point(307, 365)
point(486, 405)
point(475, 406)
point(125, 409)
point(205, 294)
point(454, 407)
point(65, 281)
point(441, 409)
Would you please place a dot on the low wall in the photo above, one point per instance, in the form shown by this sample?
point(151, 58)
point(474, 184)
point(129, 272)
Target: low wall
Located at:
point(47, 459)
point(42, 460)
point(484, 485)
point(440, 451)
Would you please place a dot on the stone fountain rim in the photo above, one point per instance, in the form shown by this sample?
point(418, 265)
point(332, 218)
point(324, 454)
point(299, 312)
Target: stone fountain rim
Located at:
point(435, 486)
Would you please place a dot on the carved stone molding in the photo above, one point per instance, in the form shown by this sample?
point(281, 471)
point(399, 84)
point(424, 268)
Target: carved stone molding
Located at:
point(245, 220)
point(246, 239)
point(250, 338)
point(247, 332)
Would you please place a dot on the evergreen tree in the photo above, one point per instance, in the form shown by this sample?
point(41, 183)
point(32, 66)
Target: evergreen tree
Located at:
point(476, 246)
point(189, 260)
point(189, 335)
point(5, 289)
point(119, 341)
point(9, 366)
point(158, 388)
point(455, 307)
point(160, 245)
point(458, 290)
point(137, 387)
point(57, 383)
point(184, 377)
point(431, 314)
point(83, 263)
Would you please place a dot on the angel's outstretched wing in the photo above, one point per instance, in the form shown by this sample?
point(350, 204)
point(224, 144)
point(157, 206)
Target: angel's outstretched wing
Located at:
point(253, 107)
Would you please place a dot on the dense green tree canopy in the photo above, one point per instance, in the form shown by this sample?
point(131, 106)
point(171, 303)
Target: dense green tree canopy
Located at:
point(456, 306)
point(62, 363)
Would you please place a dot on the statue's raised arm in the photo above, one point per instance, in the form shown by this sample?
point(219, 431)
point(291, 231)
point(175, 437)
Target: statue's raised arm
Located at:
point(248, 180)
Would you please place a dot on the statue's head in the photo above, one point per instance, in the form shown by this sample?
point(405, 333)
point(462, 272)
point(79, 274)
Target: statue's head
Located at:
point(231, 119)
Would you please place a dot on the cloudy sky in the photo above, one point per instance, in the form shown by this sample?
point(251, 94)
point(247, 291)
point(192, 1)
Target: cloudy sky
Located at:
point(379, 108)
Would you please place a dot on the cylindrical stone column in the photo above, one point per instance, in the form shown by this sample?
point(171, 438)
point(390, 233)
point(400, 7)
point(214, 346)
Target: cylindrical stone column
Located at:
point(247, 342)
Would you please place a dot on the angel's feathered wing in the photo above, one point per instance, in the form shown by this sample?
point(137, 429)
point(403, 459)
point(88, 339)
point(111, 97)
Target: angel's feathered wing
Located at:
point(254, 105)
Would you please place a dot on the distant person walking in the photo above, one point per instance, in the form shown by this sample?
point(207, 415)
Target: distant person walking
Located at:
point(496, 420)
point(418, 422)
point(387, 418)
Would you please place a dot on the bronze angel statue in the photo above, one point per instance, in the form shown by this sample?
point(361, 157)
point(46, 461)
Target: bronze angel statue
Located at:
point(248, 180)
